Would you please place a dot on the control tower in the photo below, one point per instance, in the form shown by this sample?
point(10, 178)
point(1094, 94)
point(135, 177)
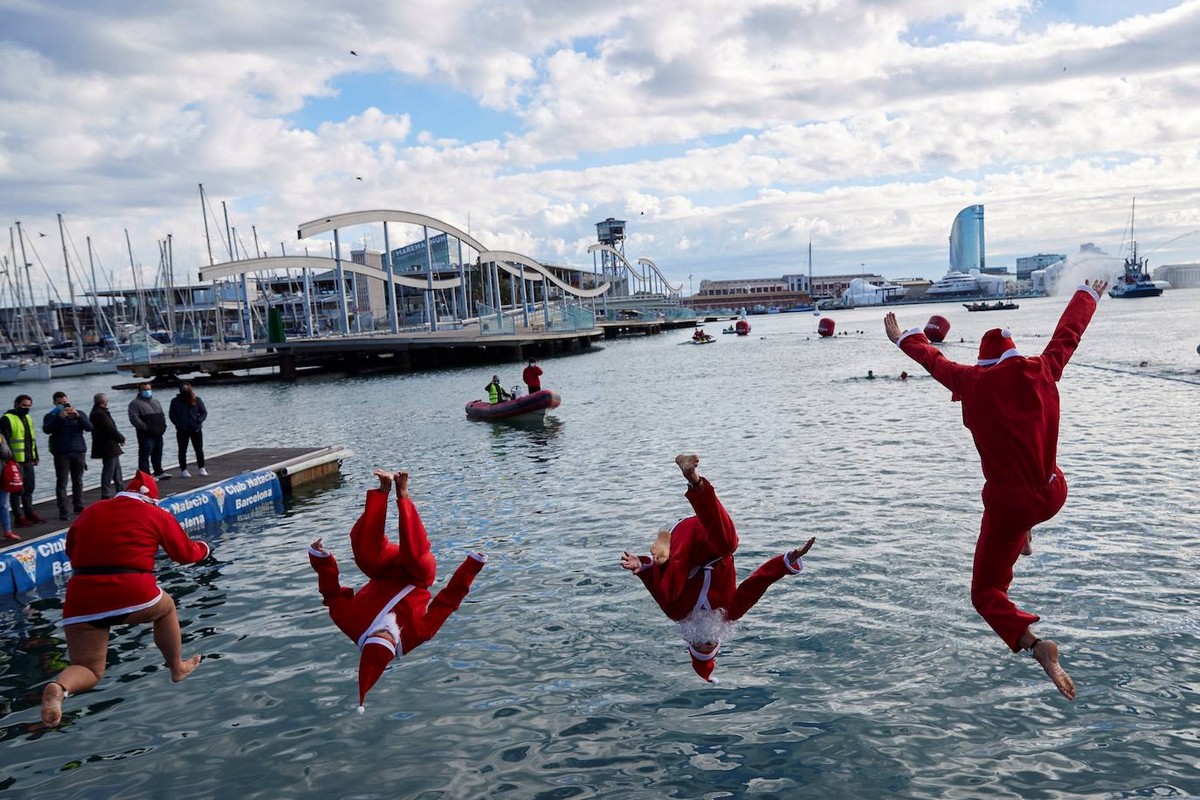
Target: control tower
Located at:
point(612, 233)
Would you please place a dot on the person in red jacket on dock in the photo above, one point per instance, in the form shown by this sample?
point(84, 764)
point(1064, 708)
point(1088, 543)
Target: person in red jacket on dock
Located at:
point(691, 575)
point(112, 546)
point(1010, 404)
point(393, 612)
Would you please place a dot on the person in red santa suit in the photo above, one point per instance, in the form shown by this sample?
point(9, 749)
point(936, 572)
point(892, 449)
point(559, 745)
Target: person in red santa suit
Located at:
point(112, 546)
point(1010, 404)
point(394, 611)
point(691, 575)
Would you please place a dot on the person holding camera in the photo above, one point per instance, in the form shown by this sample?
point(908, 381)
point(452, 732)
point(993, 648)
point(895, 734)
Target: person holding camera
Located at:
point(66, 426)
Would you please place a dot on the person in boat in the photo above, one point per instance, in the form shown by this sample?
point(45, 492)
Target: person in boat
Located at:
point(112, 547)
point(1010, 404)
point(699, 335)
point(394, 611)
point(691, 575)
point(496, 392)
point(532, 376)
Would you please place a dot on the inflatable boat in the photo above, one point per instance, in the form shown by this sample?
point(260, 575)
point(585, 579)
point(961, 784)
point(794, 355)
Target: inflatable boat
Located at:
point(527, 406)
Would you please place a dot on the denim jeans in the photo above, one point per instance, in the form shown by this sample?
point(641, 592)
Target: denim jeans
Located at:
point(150, 447)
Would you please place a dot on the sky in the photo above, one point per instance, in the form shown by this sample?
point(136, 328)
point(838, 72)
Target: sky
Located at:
point(728, 135)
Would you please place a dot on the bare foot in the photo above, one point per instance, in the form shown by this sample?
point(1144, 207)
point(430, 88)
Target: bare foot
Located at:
point(52, 700)
point(185, 668)
point(1027, 548)
point(385, 479)
point(402, 484)
point(687, 465)
point(1046, 653)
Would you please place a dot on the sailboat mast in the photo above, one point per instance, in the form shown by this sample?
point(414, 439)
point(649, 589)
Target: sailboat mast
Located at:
point(34, 323)
point(219, 328)
point(136, 288)
point(18, 292)
point(70, 291)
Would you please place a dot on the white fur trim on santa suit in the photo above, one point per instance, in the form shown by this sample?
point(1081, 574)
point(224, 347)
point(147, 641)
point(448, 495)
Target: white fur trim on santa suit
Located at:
point(145, 498)
point(1083, 287)
point(381, 619)
point(480, 557)
point(908, 333)
point(112, 612)
point(312, 551)
point(987, 362)
point(795, 570)
point(696, 654)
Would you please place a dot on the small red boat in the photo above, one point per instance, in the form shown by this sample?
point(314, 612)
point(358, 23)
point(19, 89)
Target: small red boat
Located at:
point(527, 406)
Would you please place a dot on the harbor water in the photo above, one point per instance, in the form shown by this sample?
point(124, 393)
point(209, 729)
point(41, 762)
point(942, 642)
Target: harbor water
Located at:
point(867, 675)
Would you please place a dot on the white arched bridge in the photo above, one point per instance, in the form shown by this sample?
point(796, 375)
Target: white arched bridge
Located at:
point(492, 287)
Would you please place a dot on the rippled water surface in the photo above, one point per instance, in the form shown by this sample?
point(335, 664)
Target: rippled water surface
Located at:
point(869, 675)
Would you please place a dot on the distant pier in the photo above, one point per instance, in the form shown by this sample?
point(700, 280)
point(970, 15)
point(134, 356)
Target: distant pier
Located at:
point(368, 353)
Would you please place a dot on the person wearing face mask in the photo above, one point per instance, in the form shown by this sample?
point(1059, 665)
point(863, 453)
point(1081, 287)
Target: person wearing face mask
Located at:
point(147, 418)
point(65, 426)
point(18, 432)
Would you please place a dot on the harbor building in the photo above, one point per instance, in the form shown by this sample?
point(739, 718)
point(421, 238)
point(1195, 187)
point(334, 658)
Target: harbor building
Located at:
point(967, 246)
point(1180, 276)
point(1027, 264)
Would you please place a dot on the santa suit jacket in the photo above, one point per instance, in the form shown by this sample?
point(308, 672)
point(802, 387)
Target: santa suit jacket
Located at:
point(1011, 407)
point(112, 546)
point(360, 613)
point(700, 572)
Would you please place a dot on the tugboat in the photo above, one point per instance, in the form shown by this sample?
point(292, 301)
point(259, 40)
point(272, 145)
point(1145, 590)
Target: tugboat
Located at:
point(1136, 282)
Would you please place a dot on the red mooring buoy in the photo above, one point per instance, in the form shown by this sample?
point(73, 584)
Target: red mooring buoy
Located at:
point(825, 326)
point(937, 328)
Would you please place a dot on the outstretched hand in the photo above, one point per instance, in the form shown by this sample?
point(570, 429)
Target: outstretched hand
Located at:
point(1098, 286)
point(799, 552)
point(630, 562)
point(891, 327)
point(319, 545)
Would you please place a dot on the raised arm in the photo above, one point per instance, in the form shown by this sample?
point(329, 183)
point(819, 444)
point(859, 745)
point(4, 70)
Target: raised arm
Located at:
point(916, 346)
point(326, 567)
point(1071, 325)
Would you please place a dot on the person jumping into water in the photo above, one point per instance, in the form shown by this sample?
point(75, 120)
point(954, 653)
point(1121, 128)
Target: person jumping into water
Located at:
point(691, 575)
point(1010, 405)
point(393, 612)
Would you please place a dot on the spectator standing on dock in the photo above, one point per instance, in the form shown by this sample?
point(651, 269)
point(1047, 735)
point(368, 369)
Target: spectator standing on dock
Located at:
point(147, 417)
point(496, 392)
point(691, 575)
point(1010, 404)
point(112, 547)
point(18, 432)
point(393, 612)
point(532, 376)
point(106, 446)
point(10, 535)
point(187, 415)
point(66, 426)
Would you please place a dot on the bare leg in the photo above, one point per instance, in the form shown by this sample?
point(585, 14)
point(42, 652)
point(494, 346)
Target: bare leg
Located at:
point(687, 465)
point(1027, 548)
point(167, 637)
point(87, 647)
point(402, 485)
point(1045, 652)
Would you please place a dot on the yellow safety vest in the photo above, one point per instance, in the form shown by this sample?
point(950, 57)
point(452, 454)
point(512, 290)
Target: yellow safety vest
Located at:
point(493, 393)
point(17, 424)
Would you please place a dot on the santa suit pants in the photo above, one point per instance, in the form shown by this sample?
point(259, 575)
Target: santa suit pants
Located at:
point(409, 560)
point(1008, 513)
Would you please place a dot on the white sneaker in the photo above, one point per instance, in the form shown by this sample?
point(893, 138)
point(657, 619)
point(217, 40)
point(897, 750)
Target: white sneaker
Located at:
point(203, 471)
point(183, 473)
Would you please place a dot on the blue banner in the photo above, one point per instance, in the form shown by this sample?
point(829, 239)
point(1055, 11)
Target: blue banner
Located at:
point(43, 562)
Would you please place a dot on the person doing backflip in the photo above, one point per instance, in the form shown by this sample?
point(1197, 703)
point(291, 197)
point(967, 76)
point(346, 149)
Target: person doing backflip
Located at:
point(1010, 404)
point(392, 613)
point(691, 575)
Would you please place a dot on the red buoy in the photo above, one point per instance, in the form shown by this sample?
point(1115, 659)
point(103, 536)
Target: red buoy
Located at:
point(937, 328)
point(742, 327)
point(825, 327)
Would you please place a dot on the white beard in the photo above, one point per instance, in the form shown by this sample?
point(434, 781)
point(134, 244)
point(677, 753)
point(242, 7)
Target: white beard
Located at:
point(705, 626)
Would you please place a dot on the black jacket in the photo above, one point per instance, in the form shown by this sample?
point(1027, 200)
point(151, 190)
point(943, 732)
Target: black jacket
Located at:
point(106, 439)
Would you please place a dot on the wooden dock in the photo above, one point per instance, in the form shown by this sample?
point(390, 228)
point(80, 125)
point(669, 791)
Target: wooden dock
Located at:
point(294, 465)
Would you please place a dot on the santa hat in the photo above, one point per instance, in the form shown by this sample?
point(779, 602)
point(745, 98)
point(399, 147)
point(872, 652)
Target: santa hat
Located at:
point(703, 663)
point(997, 345)
point(376, 654)
point(143, 484)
